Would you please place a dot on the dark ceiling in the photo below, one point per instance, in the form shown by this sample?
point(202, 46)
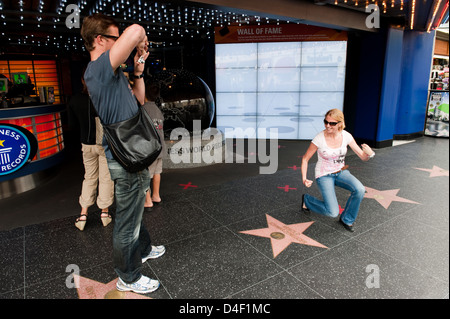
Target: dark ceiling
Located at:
point(40, 25)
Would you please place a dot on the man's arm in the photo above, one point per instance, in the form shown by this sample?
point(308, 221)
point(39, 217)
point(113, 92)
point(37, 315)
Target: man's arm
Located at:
point(133, 37)
point(139, 85)
point(130, 39)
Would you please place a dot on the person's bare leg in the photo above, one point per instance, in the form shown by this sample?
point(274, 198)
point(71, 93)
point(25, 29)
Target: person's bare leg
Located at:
point(148, 199)
point(156, 198)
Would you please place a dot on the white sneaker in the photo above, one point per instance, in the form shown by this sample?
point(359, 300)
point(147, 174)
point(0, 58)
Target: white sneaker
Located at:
point(156, 252)
point(144, 285)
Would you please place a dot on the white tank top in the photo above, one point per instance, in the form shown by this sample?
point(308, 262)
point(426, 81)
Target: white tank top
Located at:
point(330, 160)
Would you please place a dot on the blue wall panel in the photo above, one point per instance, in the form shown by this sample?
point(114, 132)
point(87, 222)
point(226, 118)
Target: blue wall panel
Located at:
point(416, 64)
point(391, 86)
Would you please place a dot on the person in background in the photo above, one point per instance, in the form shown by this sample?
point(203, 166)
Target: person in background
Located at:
point(115, 101)
point(155, 170)
point(96, 177)
point(331, 147)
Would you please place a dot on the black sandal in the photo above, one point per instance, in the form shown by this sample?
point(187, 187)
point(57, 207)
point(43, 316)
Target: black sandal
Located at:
point(306, 211)
point(348, 227)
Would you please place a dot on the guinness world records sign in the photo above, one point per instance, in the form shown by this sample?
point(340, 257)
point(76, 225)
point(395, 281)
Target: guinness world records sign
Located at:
point(17, 147)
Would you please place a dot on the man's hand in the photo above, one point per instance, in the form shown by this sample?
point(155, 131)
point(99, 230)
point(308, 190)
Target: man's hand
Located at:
point(142, 47)
point(141, 56)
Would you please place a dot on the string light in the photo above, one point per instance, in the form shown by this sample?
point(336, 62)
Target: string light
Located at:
point(393, 7)
point(176, 21)
point(413, 9)
point(161, 19)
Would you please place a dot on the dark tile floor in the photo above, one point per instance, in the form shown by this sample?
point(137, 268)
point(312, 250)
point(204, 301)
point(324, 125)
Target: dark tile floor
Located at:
point(400, 249)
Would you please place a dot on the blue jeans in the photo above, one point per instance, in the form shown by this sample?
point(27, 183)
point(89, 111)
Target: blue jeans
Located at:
point(329, 206)
point(131, 240)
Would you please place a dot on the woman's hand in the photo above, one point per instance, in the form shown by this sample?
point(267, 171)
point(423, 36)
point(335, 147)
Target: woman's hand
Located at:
point(307, 182)
point(366, 149)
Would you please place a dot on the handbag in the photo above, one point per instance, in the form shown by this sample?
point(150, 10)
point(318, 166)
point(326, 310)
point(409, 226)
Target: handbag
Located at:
point(134, 143)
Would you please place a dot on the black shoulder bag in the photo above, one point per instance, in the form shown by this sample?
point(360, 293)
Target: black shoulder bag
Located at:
point(134, 143)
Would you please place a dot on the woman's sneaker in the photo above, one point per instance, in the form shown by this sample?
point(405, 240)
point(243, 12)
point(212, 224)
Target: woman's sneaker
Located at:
point(157, 251)
point(144, 285)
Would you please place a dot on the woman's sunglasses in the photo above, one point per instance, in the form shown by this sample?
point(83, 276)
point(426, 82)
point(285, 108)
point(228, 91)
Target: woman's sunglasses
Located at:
point(331, 123)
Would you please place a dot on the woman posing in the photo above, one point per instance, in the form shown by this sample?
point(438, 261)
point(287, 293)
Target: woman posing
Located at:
point(331, 147)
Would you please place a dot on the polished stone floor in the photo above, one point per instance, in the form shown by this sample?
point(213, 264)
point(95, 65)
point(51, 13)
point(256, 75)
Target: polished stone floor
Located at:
point(235, 234)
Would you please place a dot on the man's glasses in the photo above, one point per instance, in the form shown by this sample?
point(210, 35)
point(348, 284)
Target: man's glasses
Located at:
point(112, 37)
point(331, 123)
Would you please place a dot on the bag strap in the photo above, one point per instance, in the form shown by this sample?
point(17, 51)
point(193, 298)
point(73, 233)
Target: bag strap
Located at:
point(101, 121)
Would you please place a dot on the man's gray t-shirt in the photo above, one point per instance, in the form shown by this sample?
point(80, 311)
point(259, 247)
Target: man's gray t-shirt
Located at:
point(110, 93)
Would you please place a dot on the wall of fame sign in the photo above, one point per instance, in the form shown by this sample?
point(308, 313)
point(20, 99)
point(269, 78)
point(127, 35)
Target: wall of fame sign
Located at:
point(287, 86)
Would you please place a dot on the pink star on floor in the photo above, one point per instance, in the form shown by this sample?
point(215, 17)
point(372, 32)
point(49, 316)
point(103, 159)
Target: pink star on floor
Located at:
point(385, 198)
point(435, 171)
point(91, 289)
point(282, 235)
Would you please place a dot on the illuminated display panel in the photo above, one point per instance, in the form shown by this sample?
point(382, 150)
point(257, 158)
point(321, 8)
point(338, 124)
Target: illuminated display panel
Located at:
point(43, 118)
point(20, 122)
point(41, 73)
point(47, 129)
point(284, 85)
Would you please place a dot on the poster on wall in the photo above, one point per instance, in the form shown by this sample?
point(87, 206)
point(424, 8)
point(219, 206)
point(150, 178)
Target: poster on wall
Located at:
point(276, 33)
point(438, 114)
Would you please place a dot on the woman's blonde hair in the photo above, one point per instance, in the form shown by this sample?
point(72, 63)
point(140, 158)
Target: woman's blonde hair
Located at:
point(338, 116)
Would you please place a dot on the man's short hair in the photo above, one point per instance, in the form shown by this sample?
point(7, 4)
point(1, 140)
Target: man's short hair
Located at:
point(94, 25)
